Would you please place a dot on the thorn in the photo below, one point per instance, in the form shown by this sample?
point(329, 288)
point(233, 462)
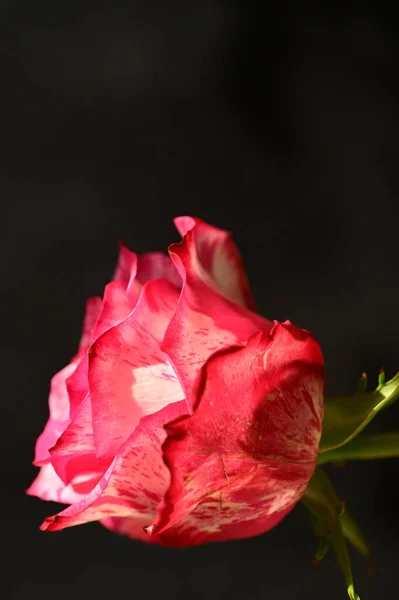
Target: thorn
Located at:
point(381, 377)
point(362, 384)
point(315, 562)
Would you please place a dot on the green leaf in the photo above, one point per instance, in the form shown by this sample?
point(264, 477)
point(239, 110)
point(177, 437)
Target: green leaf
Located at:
point(353, 533)
point(327, 511)
point(322, 536)
point(364, 447)
point(346, 416)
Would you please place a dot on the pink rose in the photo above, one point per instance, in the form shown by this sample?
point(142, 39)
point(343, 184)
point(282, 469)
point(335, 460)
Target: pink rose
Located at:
point(185, 417)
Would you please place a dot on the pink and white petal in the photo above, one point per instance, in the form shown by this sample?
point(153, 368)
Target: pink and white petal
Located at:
point(129, 375)
point(93, 308)
point(59, 414)
point(116, 308)
point(48, 486)
point(219, 258)
point(77, 385)
point(74, 455)
point(133, 484)
point(59, 402)
point(157, 265)
point(252, 441)
point(204, 321)
point(126, 268)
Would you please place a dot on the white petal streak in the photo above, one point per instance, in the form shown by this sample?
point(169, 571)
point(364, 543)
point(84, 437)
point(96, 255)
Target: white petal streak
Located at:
point(155, 386)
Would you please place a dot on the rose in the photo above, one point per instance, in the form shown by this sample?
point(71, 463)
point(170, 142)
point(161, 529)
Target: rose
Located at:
point(185, 417)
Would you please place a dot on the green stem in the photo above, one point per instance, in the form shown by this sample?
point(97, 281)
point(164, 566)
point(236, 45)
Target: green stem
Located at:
point(364, 447)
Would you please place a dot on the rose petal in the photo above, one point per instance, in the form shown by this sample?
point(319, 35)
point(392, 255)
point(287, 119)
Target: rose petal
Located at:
point(126, 268)
point(74, 454)
point(129, 376)
point(204, 320)
point(93, 308)
point(116, 307)
point(77, 386)
point(48, 486)
point(132, 527)
point(157, 265)
point(59, 415)
point(245, 456)
point(59, 399)
point(219, 257)
point(135, 481)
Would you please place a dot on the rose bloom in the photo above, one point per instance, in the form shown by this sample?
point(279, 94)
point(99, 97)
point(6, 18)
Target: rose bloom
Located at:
point(185, 417)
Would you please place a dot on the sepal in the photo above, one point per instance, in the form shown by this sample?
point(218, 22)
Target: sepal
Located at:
point(346, 416)
point(332, 524)
point(366, 446)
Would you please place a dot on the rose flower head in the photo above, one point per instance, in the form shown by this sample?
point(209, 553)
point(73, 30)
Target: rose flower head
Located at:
point(185, 417)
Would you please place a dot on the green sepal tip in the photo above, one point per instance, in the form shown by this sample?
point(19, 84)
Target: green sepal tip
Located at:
point(381, 379)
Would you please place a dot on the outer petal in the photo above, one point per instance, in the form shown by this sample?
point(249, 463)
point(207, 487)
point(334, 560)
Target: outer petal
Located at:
point(48, 486)
point(116, 307)
point(70, 386)
point(157, 265)
point(93, 308)
point(129, 375)
point(220, 258)
point(59, 415)
point(245, 456)
point(59, 399)
point(130, 526)
point(77, 386)
point(134, 483)
point(74, 454)
point(204, 321)
point(126, 268)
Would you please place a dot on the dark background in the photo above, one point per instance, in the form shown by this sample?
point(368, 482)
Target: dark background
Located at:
point(280, 124)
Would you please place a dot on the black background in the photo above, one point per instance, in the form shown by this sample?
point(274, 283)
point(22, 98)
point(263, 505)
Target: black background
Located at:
point(278, 123)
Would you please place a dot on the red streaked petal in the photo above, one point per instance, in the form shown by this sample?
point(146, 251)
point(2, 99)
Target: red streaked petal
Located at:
point(251, 444)
point(133, 527)
point(133, 484)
